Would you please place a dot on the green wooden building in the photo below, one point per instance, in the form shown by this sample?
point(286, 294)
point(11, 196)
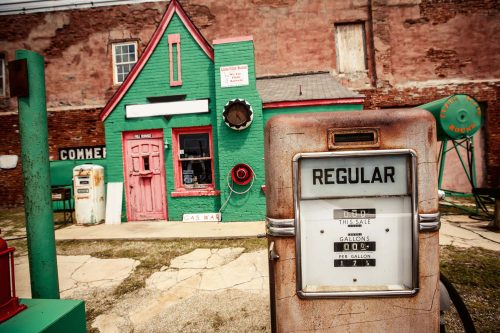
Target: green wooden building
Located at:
point(185, 130)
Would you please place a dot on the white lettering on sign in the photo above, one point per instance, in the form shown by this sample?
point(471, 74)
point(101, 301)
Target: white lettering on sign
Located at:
point(143, 136)
point(201, 217)
point(353, 176)
point(82, 153)
point(234, 76)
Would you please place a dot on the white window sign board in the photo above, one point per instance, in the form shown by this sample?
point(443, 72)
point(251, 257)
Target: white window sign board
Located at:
point(167, 108)
point(234, 76)
point(356, 223)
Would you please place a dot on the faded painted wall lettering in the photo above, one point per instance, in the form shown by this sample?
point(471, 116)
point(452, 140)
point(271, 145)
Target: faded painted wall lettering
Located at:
point(82, 153)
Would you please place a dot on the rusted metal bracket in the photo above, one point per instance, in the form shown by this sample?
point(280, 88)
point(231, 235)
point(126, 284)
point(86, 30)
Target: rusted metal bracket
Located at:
point(280, 227)
point(429, 222)
point(272, 253)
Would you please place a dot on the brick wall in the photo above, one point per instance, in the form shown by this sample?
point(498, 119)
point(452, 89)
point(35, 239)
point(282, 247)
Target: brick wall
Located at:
point(422, 50)
point(66, 129)
point(487, 93)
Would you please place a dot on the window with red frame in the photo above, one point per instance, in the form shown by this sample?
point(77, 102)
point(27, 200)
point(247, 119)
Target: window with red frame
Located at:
point(193, 158)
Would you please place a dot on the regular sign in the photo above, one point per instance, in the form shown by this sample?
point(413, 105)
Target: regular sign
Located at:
point(356, 223)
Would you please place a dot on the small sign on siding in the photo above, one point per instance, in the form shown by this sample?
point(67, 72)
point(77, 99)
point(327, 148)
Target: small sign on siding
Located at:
point(201, 217)
point(234, 76)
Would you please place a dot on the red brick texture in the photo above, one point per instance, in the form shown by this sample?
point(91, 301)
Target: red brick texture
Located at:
point(66, 129)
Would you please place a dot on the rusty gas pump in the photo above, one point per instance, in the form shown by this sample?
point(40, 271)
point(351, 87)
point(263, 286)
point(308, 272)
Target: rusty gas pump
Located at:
point(9, 303)
point(352, 221)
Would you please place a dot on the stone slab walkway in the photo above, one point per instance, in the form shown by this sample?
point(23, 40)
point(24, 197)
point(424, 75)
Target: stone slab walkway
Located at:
point(202, 273)
point(78, 274)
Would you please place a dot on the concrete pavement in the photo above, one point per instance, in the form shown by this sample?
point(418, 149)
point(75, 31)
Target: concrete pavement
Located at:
point(162, 230)
point(457, 230)
point(462, 231)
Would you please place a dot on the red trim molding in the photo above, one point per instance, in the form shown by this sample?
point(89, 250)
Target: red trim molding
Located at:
point(180, 190)
point(233, 40)
point(195, 193)
point(175, 39)
point(173, 7)
point(314, 102)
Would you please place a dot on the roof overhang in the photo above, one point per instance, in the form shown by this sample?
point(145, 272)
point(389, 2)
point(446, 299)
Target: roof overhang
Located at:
point(317, 102)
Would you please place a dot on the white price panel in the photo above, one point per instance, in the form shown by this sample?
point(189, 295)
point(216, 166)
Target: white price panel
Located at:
point(359, 238)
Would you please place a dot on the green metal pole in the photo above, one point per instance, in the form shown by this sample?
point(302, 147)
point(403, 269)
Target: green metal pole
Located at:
point(461, 161)
point(444, 145)
point(473, 162)
point(36, 174)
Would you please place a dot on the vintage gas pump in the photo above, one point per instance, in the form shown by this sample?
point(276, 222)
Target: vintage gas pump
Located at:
point(90, 205)
point(352, 222)
point(9, 303)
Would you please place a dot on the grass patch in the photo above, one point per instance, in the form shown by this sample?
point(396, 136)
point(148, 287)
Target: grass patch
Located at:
point(475, 274)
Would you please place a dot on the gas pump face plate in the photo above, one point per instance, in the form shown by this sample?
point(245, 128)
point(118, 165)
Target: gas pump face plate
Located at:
point(356, 223)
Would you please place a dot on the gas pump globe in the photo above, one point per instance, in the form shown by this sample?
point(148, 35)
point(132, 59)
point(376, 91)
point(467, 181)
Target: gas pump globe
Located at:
point(9, 303)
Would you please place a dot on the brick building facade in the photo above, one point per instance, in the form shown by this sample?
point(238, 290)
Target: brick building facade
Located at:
point(411, 51)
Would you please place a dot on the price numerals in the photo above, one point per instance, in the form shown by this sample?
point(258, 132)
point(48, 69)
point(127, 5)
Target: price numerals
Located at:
point(354, 262)
point(354, 246)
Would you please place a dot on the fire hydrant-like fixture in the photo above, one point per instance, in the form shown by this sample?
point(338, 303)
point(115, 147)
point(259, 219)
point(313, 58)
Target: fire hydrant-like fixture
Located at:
point(9, 303)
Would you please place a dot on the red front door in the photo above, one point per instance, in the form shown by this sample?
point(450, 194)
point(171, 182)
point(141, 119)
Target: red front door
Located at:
point(145, 175)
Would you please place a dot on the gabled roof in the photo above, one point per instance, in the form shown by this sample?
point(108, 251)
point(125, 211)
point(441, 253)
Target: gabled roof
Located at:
point(173, 8)
point(319, 88)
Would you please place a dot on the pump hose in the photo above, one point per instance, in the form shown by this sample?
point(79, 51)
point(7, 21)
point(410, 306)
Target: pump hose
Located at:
point(459, 305)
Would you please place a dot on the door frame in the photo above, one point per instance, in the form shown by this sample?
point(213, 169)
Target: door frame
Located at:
point(138, 135)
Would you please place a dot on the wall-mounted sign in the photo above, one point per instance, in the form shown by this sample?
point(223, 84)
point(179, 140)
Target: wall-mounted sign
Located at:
point(201, 217)
point(356, 227)
point(82, 153)
point(166, 108)
point(143, 136)
point(234, 76)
